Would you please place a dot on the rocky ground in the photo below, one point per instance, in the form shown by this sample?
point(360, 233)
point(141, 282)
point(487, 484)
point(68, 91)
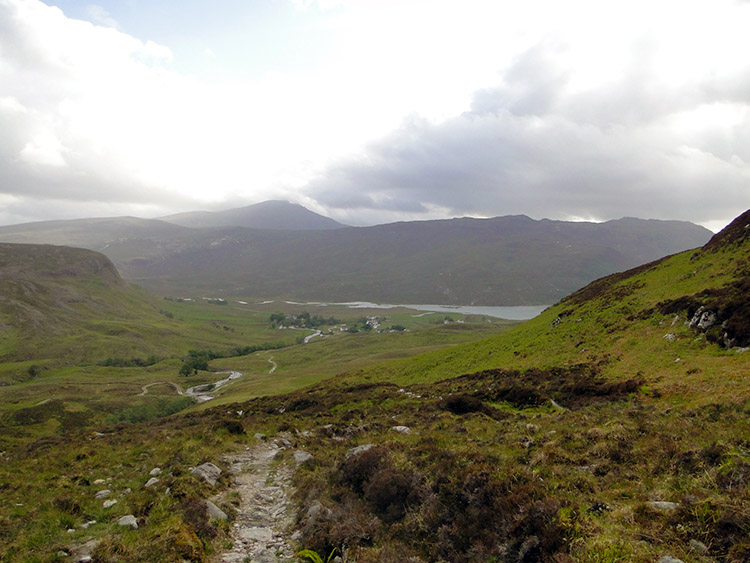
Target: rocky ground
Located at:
point(264, 515)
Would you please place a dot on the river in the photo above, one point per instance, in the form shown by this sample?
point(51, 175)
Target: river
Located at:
point(202, 393)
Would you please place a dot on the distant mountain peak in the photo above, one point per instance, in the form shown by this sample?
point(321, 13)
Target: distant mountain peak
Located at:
point(272, 214)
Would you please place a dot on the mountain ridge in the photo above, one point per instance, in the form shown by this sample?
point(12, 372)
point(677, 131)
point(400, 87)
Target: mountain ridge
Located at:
point(272, 214)
point(512, 260)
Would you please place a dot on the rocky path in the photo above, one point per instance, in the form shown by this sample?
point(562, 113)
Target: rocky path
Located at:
point(264, 511)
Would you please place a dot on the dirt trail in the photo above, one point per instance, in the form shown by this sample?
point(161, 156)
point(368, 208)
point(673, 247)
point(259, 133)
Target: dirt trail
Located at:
point(264, 513)
point(144, 389)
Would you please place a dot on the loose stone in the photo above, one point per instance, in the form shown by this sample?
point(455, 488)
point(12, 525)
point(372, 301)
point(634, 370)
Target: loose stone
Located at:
point(128, 521)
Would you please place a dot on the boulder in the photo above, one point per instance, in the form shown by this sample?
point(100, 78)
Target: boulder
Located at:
point(703, 319)
point(214, 511)
point(155, 471)
point(256, 533)
point(128, 521)
point(358, 450)
point(103, 494)
point(301, 456)
point(317, 511)
point(151, 482)
point(402, 429)
point(208, 472)
point(282, 443)
point(109, 503)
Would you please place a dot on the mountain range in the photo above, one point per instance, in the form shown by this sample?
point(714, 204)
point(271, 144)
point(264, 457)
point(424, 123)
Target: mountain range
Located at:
point(512, 260)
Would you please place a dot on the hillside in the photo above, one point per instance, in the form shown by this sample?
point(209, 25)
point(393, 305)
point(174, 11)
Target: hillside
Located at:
point(279, 215)
point(69, 305)
point(500, 261)
point(52, 297)
point(613, 427)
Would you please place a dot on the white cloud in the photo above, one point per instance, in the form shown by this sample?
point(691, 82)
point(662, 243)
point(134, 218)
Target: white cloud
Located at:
point(45, 149)
point(599, 122)
point(577, 108)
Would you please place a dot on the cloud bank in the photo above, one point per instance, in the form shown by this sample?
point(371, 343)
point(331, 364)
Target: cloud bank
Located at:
point(561, 110)
point(548, 141)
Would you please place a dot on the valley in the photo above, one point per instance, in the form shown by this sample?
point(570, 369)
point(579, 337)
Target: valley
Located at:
point(611, 427)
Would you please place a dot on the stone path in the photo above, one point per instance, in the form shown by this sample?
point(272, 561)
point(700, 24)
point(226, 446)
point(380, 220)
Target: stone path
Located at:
point(265, 515)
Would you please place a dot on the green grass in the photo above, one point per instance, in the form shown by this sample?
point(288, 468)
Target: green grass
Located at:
point(491, 465)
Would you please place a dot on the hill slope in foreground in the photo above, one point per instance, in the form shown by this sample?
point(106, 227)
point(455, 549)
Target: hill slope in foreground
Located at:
point(613, 427)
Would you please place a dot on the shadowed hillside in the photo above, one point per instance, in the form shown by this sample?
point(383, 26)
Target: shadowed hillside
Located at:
point(502, 261)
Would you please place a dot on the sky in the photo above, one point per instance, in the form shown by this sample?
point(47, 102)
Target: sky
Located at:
point(373, 111)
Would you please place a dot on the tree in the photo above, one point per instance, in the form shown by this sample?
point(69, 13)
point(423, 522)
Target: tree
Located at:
point(277, 319)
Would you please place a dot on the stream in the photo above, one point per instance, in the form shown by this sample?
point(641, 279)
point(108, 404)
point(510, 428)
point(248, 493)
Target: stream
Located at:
point(202, 393)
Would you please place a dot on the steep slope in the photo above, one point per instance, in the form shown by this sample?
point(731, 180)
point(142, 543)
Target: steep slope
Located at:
point(279, 215)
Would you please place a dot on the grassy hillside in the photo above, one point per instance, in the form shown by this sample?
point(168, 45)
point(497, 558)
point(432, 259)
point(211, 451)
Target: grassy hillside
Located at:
point(60, 304)
point(613, 427)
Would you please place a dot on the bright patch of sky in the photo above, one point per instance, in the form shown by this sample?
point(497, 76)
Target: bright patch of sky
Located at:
point(376, 110)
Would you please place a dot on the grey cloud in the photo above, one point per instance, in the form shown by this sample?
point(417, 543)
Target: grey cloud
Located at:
point(530, 146)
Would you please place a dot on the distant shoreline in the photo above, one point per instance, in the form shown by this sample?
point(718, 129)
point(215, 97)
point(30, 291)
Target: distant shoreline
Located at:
point(511, 313)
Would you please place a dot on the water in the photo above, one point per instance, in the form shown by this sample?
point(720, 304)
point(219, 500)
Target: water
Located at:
point(202, 393)
point(514, 313)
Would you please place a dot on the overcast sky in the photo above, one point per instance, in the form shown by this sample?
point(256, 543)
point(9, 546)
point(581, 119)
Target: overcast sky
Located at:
point(372, 111)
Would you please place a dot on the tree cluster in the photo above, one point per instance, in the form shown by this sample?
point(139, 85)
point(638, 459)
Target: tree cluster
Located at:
point(302, 320)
